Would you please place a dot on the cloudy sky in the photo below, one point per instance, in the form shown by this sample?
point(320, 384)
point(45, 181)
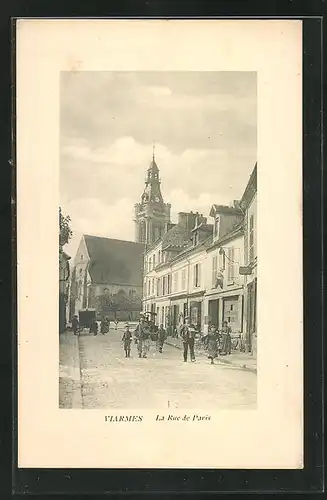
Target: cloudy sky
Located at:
point(204, 128)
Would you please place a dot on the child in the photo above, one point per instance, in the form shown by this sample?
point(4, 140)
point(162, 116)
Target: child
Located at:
point(127, 340)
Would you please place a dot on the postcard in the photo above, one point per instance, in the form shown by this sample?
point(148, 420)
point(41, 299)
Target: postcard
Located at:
point(159, 245)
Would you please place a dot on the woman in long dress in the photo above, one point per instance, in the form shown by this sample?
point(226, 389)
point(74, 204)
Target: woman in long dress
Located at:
point(226, 347)
point(212, 344)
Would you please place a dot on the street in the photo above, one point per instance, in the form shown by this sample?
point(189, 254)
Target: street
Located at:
point(161, 381)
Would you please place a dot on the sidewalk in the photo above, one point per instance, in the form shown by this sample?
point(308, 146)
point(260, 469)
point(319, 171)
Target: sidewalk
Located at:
point(241, 360)
point(70, 395)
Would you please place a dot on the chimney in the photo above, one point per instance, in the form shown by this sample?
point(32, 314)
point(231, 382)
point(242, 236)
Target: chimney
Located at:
point(187, 220)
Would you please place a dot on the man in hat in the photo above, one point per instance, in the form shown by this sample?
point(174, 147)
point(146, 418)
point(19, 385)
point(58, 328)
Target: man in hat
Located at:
point(188, 338)
point(142, 333)
point(127, 340)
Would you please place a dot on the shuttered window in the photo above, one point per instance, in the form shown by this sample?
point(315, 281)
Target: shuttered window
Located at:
point(197, 275)
point(214, 271)
point(183, 281)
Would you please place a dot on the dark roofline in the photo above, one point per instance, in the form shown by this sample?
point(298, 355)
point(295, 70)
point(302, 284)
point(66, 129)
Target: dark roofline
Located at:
point(236, 231)
point(224, 209)
point(112, 239)
point(250, 190)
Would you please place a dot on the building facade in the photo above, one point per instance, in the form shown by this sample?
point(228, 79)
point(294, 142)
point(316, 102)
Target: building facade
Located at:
point(107, 277)
point(173, 281)
point(207, 271)
point(249, 205)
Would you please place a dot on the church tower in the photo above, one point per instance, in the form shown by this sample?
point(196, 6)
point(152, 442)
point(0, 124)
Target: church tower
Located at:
point(152, 215)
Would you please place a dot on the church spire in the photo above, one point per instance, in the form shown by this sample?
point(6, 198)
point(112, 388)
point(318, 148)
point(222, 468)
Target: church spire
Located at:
point(153, 150)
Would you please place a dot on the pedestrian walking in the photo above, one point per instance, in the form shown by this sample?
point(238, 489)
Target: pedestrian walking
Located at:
point(104, 327)
point(142, 333)
point(162, 335)
point(75, 325)
point(127, 340)
point(94, 327)
point(188, 338)
point(212, 343)
point(226, 339)
point(116, 323)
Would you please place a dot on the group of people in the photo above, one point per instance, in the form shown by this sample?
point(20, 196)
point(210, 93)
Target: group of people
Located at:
point(142, 336)
point(218, 343)
point(94, 326)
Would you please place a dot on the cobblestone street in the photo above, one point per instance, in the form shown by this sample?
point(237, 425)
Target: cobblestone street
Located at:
point(109, 380)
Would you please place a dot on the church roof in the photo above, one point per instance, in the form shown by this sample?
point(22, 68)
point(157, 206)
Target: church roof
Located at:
point(114, 261)
point(153, 166)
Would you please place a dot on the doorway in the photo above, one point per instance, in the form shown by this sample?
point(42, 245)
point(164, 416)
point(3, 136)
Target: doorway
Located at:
point(213, 312)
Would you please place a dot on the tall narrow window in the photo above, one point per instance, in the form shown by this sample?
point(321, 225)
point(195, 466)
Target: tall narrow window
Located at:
point(175, 282)
point(159, 257)
point(150, 264)
point(196, 275)
point(251, 238)
point(149, 284)
point(154, 261)
point(214, 271)
point(183, 280)
point(152, 286)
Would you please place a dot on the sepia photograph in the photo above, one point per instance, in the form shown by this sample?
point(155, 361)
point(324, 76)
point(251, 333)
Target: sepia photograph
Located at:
point(159, 244)
point(158, 253)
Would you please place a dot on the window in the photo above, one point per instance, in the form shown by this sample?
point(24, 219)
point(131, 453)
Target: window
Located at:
point(152, 286)
point(149, 284)
point(150, 264)
point(251, 238)
point(175, 282)
point(217, 226)
point(80, 272)
point(196, 276)
point(159, 257)
point(82, 257)
point(214, 270)
point(164, 285)
point(168, 283)
point(158, 286)
point(154, 261)
point(222, 260)
point(230, 264)
point(183, 283)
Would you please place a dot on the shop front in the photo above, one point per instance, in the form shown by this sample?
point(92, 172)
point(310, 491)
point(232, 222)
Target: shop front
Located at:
point(251, 317)
point(232, 312)
point(195, 313)
point(213, 313)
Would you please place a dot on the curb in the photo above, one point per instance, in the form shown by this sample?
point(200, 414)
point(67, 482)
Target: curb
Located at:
point(224, 361)
point(77, 401)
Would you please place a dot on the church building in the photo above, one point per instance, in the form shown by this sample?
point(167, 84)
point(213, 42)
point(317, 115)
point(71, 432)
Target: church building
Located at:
point(152, 215)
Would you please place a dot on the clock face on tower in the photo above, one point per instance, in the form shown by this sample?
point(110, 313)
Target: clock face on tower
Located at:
point(157, 199)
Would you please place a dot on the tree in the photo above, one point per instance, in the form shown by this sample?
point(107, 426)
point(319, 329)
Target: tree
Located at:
point(65, 232)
